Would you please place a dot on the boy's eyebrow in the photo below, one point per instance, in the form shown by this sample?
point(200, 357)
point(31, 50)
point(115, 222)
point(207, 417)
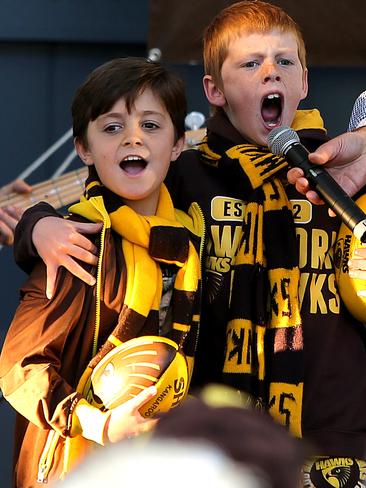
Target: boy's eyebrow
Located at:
point(288, 50)
point(152, 112)
point(282, 50)
point(120, 115)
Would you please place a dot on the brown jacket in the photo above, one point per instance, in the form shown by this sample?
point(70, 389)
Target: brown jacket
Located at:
point(48, 346)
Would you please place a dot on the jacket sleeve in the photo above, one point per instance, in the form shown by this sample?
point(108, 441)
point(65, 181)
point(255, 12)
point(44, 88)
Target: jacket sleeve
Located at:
point(25, 253)
point(41, 357)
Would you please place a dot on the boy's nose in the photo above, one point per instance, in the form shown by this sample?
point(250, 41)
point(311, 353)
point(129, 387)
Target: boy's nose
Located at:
point(272, 77)
point(271, 74)
point(132, 139)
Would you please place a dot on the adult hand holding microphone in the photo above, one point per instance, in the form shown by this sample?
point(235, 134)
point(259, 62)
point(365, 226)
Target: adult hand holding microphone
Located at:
point(284, 141)
point(347, 153)
point(344, 156)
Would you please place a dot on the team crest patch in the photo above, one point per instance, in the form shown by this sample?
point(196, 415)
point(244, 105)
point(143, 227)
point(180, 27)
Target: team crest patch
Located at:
point(337, 472)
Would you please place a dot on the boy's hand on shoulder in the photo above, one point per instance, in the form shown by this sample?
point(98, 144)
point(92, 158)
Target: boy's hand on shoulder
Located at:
point(59, 242)
point(126, 421)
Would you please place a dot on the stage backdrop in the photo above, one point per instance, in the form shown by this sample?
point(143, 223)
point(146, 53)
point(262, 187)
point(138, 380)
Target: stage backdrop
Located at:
point(334, 31)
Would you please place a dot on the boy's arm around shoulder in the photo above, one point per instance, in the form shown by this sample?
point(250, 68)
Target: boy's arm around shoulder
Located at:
point(59, 242)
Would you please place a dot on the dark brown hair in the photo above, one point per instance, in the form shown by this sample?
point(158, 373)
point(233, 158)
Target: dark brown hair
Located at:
point(127, 78)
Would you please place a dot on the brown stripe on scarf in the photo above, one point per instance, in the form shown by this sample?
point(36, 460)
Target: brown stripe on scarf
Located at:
point(169, 245)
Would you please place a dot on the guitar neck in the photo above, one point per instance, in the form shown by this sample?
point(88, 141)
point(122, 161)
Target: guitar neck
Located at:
point(58, 192)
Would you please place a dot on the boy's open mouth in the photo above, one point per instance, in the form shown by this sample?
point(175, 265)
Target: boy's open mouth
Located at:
point(133, 165)
point(272, 109)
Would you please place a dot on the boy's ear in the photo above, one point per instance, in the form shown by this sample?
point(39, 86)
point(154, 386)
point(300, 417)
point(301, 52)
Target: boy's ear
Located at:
point(83, 152)
point(305, 85)
point(214, 94)
point(177, 149)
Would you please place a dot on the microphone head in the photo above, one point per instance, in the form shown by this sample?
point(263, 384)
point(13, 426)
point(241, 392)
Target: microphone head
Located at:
point(358, 116)
point(281, 138)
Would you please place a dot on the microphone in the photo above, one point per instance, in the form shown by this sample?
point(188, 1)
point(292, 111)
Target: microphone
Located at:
point(284, 141)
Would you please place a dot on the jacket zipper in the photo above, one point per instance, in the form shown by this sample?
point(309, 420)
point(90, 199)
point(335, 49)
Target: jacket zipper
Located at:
point(196, 209)
point(98, 289)
point(46, 459)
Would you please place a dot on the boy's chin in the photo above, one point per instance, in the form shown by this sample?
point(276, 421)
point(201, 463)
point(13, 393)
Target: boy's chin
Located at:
point(258, 140)
point(258, 136)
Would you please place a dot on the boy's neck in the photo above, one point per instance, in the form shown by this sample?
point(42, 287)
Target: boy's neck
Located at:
point(221, 123)
point(147, 206)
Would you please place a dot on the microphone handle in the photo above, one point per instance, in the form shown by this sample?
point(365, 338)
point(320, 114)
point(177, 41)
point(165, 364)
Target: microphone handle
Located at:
point(329, 190)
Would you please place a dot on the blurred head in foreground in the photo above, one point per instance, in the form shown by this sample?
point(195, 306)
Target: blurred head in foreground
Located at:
point(247, 436)
point(161, 462)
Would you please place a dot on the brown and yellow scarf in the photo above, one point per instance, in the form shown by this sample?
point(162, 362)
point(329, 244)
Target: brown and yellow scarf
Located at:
point(147, 241)
point(264, 349)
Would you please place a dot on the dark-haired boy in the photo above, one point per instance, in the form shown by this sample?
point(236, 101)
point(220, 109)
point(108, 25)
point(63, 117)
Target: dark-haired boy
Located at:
point(128, 122)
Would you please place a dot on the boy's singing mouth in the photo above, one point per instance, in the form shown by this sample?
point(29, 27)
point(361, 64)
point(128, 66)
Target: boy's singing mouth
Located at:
point(272, 110)
point(133, 165)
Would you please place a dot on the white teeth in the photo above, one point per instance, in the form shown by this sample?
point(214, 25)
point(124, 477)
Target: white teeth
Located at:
point(132, 158)
point(271, 124)
point(273, 95)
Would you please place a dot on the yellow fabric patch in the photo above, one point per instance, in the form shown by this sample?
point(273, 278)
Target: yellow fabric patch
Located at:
point(285, 402)
point(285, 309)
point(239, 347)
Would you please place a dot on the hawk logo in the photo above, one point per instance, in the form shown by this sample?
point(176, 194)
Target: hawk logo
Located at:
point(335, 473)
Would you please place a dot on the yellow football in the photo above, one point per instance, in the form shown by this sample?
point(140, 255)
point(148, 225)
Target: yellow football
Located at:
point(348, 287)
point(137, 364)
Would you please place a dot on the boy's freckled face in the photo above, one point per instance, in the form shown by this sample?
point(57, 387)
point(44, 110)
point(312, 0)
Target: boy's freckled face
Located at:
point(132, 151)
point(263, 82)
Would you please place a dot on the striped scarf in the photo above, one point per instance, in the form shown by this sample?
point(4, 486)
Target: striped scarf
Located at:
point(264, 349)
point(147, 241)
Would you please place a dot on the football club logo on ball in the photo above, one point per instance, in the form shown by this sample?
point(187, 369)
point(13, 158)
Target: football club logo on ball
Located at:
point(137, 364)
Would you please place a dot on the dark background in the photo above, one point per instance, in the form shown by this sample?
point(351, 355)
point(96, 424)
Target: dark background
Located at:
point(47, 47)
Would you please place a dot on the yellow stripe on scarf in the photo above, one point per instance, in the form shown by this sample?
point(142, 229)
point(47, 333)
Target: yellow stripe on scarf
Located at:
point(144, 279)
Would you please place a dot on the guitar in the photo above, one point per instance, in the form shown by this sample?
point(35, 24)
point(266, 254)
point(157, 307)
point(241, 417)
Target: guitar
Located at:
point(67, 188)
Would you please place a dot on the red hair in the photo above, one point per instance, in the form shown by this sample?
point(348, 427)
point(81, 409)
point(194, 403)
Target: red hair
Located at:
point(249, 17)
